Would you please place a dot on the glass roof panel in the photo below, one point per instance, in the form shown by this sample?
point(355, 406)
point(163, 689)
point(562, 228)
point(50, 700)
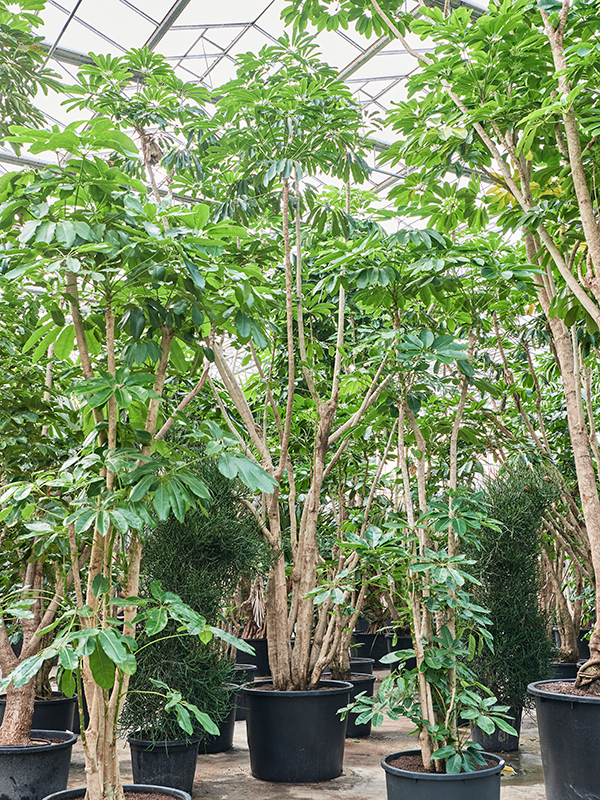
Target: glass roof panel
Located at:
point(200, 40)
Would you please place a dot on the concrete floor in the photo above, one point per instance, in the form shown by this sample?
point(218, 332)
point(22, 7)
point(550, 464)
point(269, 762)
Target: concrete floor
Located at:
point(226, 776)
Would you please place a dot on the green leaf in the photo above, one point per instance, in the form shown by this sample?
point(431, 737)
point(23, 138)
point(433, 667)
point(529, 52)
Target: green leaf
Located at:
point(204, 720)
point(237, 643)
point(99, 585)
point(141, 489)
point(454, 764)
point(162, 502)
point(157, 620)
point(183, 718)
point(64, 344)
point(67, 683)
point(103, 668)
point(243, 324)
point(114, 649)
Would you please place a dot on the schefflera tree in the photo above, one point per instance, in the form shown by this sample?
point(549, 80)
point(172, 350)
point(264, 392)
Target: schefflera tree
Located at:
point(122, 282)
point(513, 95)
point(284, 117)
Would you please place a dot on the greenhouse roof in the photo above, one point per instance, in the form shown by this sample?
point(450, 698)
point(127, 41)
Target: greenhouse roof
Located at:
point(201, 41)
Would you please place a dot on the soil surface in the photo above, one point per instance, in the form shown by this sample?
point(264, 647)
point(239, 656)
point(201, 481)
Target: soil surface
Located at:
point(562, 687)
point(268, 687)
point(148, 796)
point(414, 763)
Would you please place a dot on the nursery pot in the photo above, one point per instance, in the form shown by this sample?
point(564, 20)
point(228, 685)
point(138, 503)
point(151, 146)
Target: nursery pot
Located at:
point(500, 741)
point(360, 683)
point(78, 794)
point(562, 671)
point(583, 644)
point(405, 785)
point(568, 726)
point(242, 673)
point(296, 737)
point(56, 714)
point(372, 645)
point(260, 658)
point(30, 772)
point(362, 665)
point(166, 763)
point(221, 743)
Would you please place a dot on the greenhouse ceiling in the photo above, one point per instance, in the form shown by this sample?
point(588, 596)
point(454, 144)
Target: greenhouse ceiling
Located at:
point(201, 41)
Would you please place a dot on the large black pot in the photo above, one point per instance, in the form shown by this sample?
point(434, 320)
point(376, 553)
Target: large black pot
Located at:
point(168, 763)
point(296, 737)
point(242, 673)
point(499, 741)
point(221, 743)
point(405, 785)
point(562, 671)
point(568, 726)
point(50, 715)
point(260, 657)
point(78, 794)
point(362, 665)
point(372, 645)
point(30, 772)
point(360, 683)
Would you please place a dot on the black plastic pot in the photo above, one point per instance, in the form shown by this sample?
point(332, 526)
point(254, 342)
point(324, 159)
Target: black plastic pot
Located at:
point(78, 794)
point(362, 665)
point(49, 715)
point(562, 671)
point(500, 741)
point(296, 737)
point(29, 773)
point(360, 683)
point(583, 644)
point(242, 673)
point(405, 785)
point(211, 743)
point(372, 645)
point(260, 657)
point(169, 763)
point(568, 726)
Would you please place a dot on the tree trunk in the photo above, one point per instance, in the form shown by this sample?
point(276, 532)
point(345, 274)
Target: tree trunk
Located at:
point(18, 714)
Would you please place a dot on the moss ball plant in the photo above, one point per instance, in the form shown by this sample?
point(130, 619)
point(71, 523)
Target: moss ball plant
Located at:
point(508, 567)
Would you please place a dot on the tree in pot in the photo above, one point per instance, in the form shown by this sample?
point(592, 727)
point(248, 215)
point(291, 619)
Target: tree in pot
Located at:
point(507, 566)
point(285, 116)
point(80, 230)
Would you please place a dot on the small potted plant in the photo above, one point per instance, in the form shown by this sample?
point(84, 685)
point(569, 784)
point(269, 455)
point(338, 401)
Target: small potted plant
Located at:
point(220, 547)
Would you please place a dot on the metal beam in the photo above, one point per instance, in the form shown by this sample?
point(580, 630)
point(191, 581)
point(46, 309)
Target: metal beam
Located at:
point(67, 56)
point(176, 11)
point(364, 57)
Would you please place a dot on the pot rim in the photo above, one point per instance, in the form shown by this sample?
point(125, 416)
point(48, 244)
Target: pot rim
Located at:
point(67, 738)
point(57, 697)
point(536, 690)
point(143, 788)
point(362, 659)
point(338, 687)
point(193, 740)
point(436, 776)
